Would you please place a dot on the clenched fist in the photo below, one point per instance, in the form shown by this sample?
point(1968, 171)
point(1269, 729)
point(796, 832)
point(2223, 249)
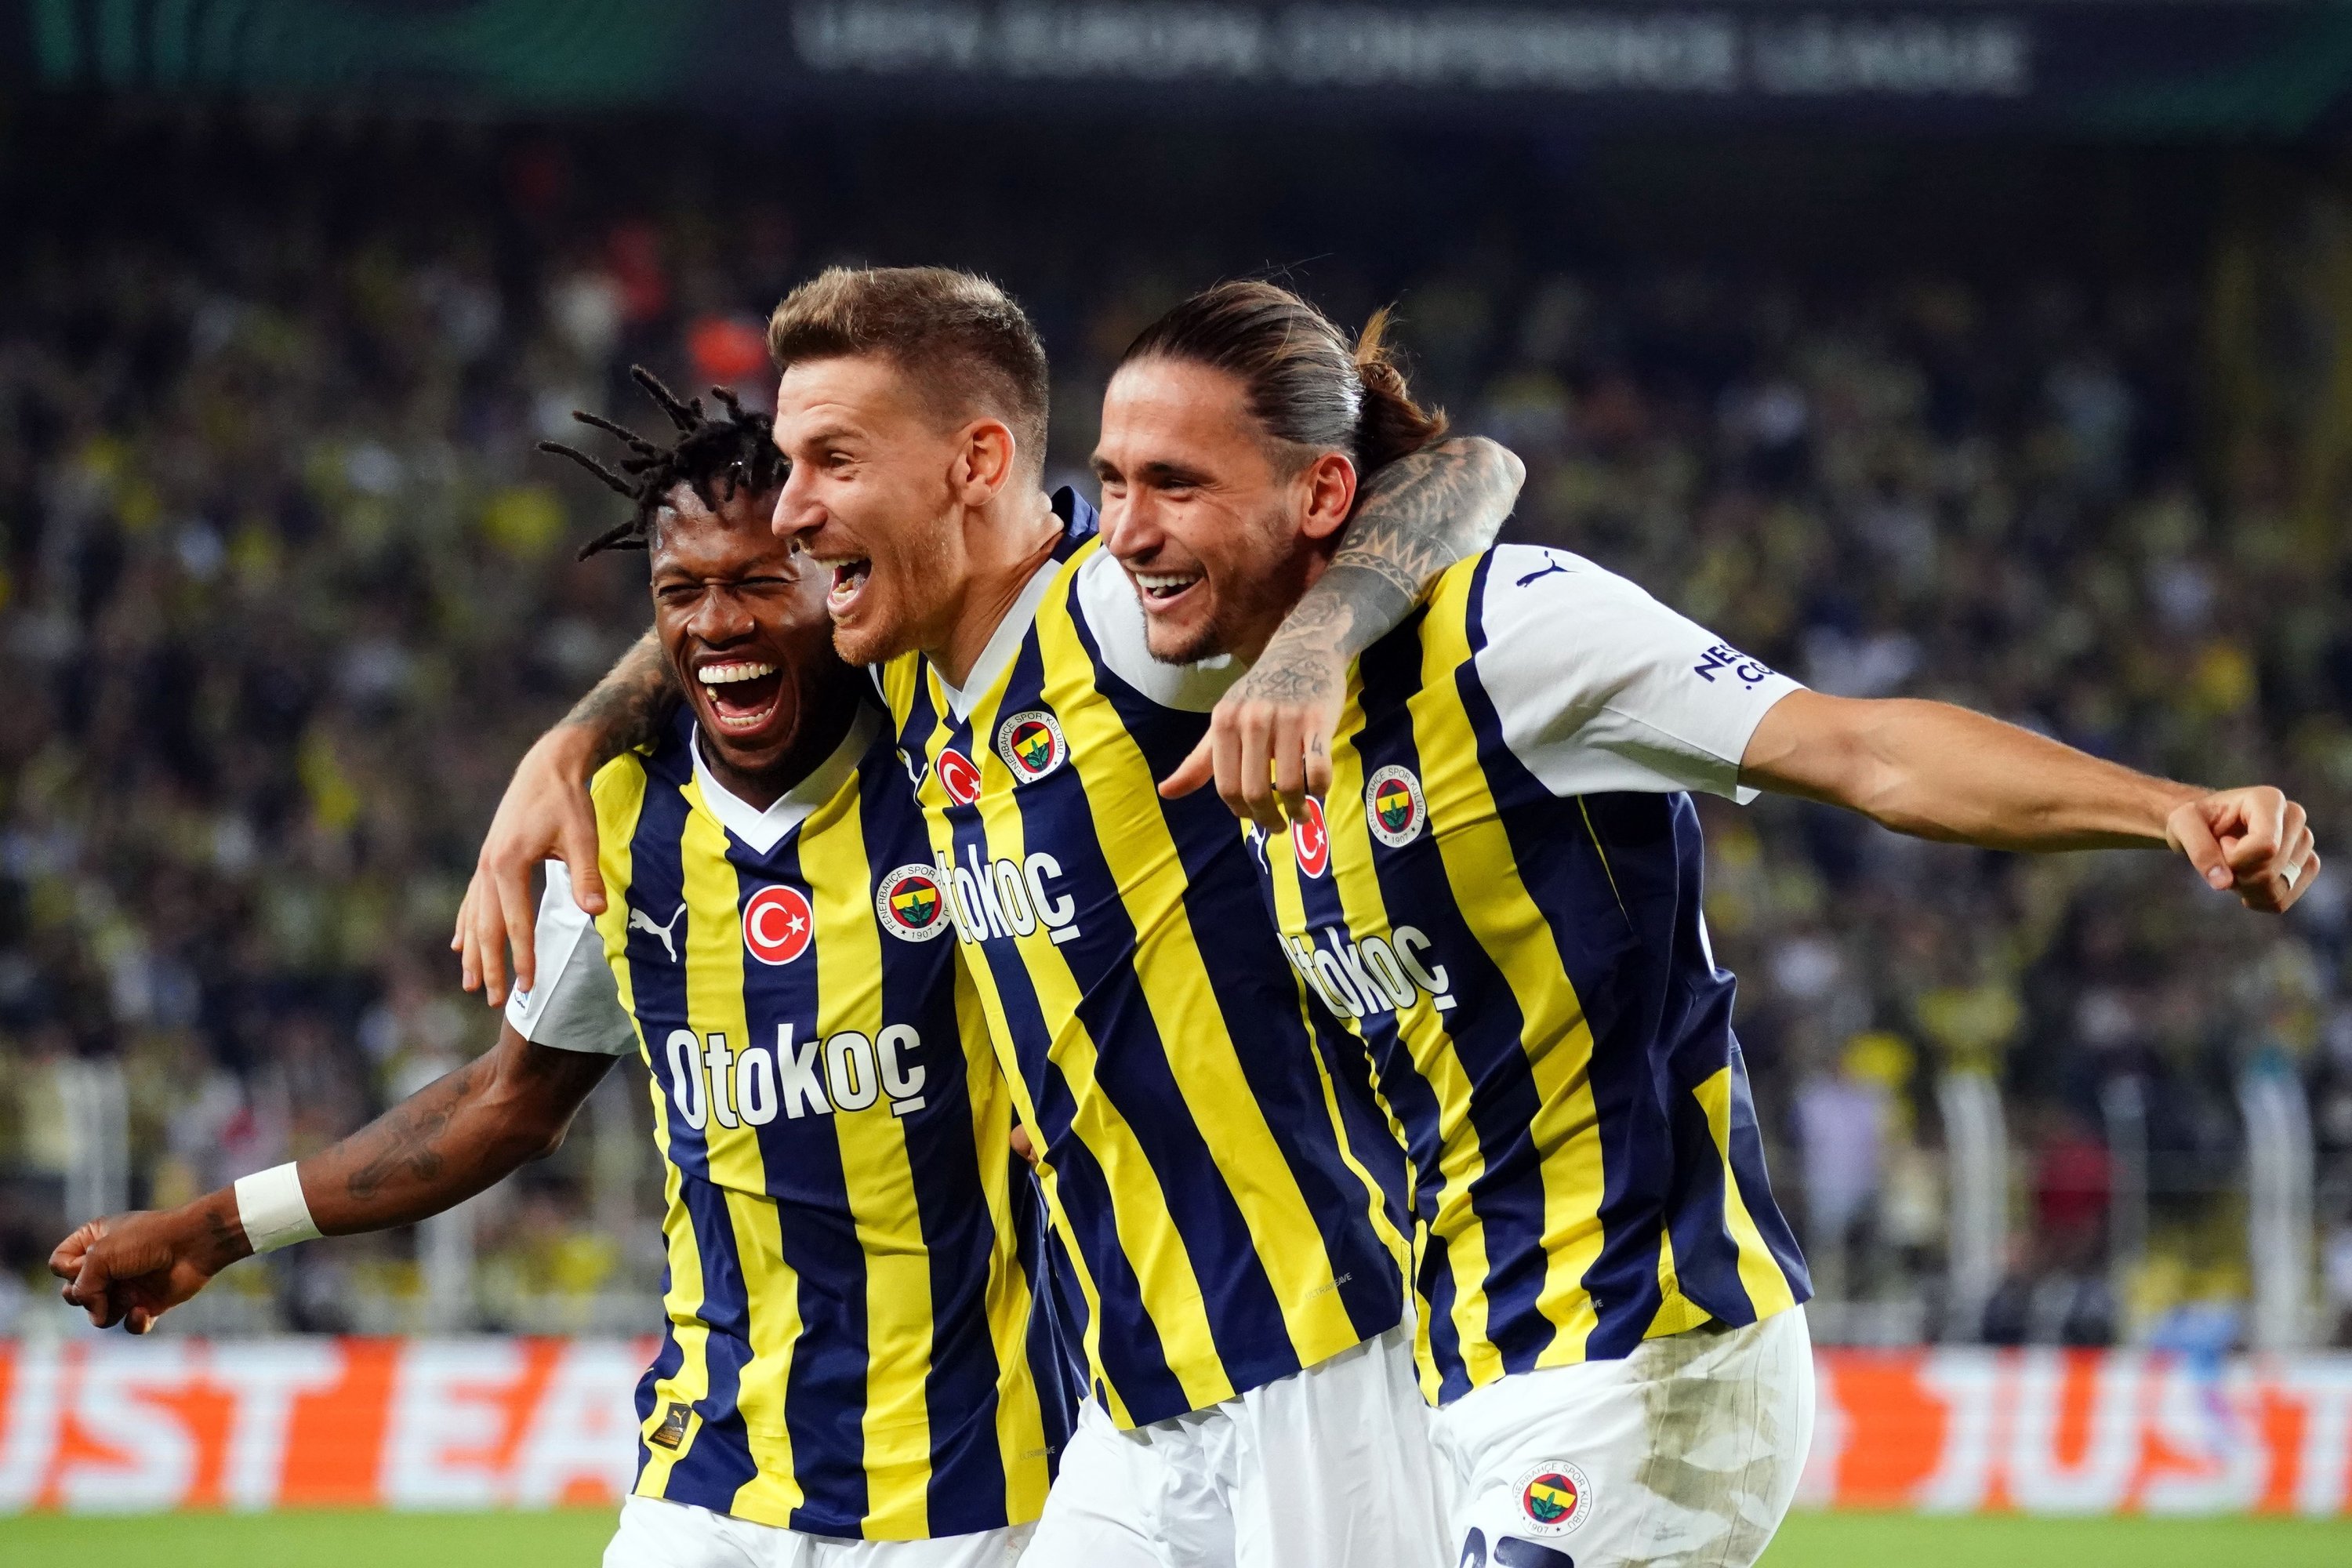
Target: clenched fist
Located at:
point(131, 1268)
point(2252, 841)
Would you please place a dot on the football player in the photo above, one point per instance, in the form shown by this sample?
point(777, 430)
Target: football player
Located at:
point(844, 1374)
point(1493, 874)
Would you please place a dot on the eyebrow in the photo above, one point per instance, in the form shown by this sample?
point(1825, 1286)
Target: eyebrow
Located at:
point(788, 569)
point(1157, 472)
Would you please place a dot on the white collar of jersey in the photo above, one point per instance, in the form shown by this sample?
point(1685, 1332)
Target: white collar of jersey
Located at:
point(763, 830)
point(1003, 642)
point(1106, 593)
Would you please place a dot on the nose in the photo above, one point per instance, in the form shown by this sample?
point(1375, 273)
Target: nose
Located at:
point(798, 514)
point(1130, 525)
point(720, 618)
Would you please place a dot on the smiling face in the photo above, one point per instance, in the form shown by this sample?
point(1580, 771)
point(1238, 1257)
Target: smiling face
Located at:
point(742, 622)
point(874, 499)
point(1220, 529)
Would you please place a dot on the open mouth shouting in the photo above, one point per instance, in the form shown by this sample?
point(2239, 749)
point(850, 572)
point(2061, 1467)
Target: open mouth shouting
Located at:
point(849, 580)
point(741, 694)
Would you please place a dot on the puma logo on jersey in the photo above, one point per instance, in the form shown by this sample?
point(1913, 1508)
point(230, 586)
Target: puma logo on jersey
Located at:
point(672, 1431)
point(640, 920)
point(1551, 567)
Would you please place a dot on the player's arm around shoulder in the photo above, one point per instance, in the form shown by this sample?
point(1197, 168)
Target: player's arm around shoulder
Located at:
point(1936, 770)
point(1269, 741)
point(546, 813)
point(450, 1139)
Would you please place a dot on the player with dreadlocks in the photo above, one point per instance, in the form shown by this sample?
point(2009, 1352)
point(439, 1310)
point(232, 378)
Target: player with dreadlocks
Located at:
point(844, 1374)
point(738, 452)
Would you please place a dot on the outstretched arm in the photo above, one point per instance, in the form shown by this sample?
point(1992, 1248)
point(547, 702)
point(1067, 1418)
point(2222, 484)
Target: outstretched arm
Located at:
point(1269, 742)
point(1936, 770)
point(545, 816)
point(459, 1134)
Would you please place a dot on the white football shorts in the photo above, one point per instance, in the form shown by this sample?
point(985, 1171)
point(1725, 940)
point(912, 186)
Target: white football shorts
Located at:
point(1328, 1467)
point(657, 1534)
point(1683, 1455)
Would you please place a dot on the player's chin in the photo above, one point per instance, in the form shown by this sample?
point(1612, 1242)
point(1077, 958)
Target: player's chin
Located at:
point(866, 639)
point(1186, 641)
point(743, 737)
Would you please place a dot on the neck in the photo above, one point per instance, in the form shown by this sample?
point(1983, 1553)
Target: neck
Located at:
point(1308, 567)
point(1005, 543)
point(761, 788)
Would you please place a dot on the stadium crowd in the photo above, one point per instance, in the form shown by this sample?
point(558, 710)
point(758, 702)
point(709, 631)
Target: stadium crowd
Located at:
point(285, 590)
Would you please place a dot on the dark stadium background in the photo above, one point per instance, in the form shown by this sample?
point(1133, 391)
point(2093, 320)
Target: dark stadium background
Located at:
point(2031, 393)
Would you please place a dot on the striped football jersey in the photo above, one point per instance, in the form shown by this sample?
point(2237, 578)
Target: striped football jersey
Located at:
point(1501, 897)
point(1224, 1219)
point(849, 1348)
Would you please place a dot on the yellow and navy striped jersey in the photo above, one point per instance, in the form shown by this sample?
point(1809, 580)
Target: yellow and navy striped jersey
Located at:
point(1501, 896)
point(849, 1349)
point(1222, 1227)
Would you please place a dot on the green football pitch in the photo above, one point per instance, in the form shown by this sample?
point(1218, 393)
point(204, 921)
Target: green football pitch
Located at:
point(532, 1539)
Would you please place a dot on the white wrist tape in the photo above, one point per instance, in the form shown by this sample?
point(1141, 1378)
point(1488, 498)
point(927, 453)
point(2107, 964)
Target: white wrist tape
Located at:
point(270, 1206)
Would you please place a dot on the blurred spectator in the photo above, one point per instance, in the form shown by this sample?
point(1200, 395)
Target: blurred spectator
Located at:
point(2336, 1263)
point(1842, 1129)
point(2061, 1293)
point(2071, 1191)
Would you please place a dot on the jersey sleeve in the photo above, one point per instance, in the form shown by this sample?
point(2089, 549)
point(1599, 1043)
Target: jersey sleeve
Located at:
point(576, 1005)
point(1598, 686)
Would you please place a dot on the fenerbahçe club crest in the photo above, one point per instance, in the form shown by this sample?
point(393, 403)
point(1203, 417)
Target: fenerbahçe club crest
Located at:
point(1394, 807)
point(1032, 745)
point(1554, 1499)
point(909, 903)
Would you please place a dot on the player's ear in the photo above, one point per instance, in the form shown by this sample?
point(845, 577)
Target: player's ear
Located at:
point(984, 463)
point(1331, 485)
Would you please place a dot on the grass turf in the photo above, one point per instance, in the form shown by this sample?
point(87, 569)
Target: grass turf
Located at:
point(335, 1540)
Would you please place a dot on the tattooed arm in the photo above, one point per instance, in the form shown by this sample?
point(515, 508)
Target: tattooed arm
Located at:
point(626, 708)
point(459, 1134)
point(1269, 743)
point(545, 814)
point(1418, 515)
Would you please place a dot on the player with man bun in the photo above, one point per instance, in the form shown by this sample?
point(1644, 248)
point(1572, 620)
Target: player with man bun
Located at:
point(1493, 876)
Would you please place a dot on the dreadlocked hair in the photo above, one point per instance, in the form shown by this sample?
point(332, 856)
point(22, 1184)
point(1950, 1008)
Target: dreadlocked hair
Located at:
point(737, 450)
